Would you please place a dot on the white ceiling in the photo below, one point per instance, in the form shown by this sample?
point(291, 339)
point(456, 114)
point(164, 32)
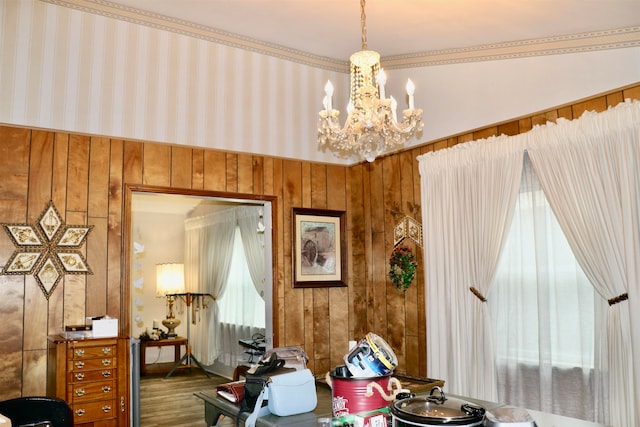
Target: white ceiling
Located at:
point(331, 28)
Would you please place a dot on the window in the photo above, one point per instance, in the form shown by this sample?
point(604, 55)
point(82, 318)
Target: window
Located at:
point(542, 305)
point(241, 304)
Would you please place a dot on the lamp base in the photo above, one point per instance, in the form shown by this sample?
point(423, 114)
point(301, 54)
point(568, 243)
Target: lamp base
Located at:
point(171, 324)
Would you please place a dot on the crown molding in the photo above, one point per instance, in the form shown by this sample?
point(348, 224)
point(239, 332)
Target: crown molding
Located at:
point(573, 43)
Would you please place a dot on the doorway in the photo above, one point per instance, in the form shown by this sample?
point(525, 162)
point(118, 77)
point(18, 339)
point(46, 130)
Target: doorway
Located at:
point(154, 234)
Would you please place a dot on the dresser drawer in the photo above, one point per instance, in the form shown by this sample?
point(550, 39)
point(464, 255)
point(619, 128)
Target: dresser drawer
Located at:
point(92, 376)
point(87, 352)
point(94, 411)
point(92, 391)
point(90, 364)
point(88, 376)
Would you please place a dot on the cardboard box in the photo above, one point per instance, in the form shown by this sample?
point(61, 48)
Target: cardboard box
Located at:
point(378, 420)
point(375, 418)
point(105, 328)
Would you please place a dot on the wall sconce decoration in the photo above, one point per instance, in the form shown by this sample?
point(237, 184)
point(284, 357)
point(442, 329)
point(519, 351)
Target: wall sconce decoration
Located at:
point(406, 227)
point(48, 249)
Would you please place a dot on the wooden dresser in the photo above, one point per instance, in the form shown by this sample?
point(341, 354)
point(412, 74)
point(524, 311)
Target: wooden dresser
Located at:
point(91, 374)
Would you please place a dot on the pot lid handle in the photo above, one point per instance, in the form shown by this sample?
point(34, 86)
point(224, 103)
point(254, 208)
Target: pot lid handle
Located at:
point(437, 399)
point(471, 410)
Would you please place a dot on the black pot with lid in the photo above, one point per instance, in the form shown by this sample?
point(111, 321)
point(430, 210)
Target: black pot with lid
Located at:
point(435, 410)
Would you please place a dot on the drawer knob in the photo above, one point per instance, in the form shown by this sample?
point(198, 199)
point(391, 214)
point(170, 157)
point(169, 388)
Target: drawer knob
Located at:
point(106, 350)
point(106, 389)
point(106, 374)
point(80, 412)
point(80, 352)
point(79, 376)
point(106, 362)
point(80, 392)
point(80, 365)
point(106, 408)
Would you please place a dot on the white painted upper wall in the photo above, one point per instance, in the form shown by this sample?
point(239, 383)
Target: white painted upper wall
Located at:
point(460, 97)
point(65, 69)
point(154, 248)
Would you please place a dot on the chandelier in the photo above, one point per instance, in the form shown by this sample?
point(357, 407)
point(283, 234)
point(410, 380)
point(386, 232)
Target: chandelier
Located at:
point(372, 126)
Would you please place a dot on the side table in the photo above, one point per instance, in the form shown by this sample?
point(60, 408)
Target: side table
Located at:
point(164, 367)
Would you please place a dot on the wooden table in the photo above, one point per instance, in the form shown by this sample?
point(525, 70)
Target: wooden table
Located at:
point(165, 367)
point(215, 407)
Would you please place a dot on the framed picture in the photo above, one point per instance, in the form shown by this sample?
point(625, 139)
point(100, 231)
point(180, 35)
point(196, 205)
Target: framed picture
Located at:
point(319, 249)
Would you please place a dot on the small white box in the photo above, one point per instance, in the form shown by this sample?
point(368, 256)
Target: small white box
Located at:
point(105, 327)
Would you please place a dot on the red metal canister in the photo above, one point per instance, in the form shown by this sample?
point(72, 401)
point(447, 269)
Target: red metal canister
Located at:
point(350, 395)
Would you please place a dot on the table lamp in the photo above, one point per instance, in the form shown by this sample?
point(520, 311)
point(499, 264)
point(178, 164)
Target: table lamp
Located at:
point(169, 282)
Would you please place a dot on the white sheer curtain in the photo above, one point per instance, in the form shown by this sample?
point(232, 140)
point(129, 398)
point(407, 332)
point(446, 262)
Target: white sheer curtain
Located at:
point(253, 244)
point(208, 250)
point(593, 187)
point(589, 170)
point(468, 195)
point(542, 306)
point(242, 309)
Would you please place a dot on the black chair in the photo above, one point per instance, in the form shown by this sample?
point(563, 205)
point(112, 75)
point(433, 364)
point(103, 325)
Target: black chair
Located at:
point(37, 411)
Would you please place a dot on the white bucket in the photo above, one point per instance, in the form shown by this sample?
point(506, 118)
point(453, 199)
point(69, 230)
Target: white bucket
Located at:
point(371, 357)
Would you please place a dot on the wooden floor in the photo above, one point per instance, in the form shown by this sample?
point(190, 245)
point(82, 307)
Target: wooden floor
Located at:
point(169, 402)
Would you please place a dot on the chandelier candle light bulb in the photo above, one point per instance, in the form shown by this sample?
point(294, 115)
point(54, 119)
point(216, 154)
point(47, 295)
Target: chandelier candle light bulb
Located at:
point(350, 107)
point(394, 106)
point(382, 79)
point(411, 88)
point(328, 90)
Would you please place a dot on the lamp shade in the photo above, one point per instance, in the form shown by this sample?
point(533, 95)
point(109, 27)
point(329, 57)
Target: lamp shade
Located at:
point(169, 279)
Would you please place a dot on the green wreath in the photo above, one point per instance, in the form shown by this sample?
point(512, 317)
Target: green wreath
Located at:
point(402, 267)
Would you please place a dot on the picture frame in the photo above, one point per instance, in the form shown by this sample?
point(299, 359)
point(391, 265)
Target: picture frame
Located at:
point(319, 248)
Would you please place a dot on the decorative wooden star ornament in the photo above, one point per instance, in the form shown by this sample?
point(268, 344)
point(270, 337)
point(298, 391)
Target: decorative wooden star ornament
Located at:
point(48, 249)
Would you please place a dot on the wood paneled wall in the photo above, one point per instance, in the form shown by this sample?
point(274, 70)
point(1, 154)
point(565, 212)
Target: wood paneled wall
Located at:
point(85, 176)
point(394, 180)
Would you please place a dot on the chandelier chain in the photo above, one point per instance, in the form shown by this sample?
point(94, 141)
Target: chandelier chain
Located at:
point(363, 25)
